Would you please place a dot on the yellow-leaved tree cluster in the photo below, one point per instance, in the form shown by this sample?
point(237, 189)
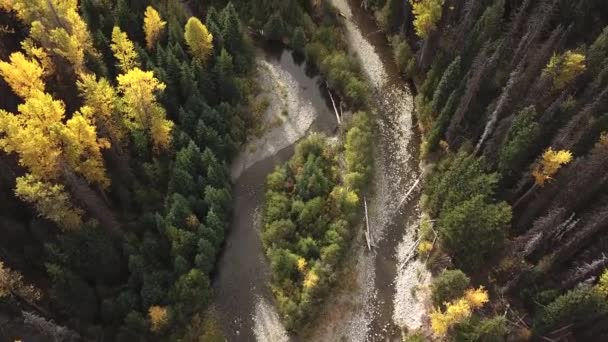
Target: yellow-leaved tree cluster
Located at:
point(458, 310)
point(52, 145)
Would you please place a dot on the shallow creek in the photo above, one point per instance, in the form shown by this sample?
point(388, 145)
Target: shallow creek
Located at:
point(382, 296)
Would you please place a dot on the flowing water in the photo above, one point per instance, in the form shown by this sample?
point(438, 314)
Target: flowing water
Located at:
point(243, 302)
point(386, 297)
point(383, 297)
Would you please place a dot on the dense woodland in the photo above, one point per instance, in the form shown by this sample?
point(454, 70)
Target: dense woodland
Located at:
point(119, 119)
point(512, 107)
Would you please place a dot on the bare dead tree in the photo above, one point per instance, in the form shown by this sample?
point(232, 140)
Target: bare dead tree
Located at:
point(49, 329)
point(594, 223)
point(536, 238)
point(474, 78)
point(584, 272)
point(519, 78)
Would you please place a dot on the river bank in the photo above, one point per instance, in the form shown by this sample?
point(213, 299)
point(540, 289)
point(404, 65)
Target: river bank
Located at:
point(385, 297)
point(380, 297)
point(243, 302)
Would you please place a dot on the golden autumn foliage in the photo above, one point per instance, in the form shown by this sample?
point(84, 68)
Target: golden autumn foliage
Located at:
point(425, 247)
point(192, 221)
point(159, 318)
point(57, 26)
point(142, 111)
point(39, 54)
point(602, 285)
point(153, 26)
point(311, 280)
point(23, 75)
point(124, 50)
point(550, 163)
point(457, 311)
point(427, 13)
point(476, 297)
point(199, 39)
point(11, 282)
point(51, 201)
point(82, 148)
point(565, 67)
point(103, 100)
point(302, 264)
point(39, 123)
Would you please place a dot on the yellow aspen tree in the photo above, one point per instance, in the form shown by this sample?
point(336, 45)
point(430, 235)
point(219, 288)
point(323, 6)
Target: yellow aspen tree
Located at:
point(311, 280)
point(22, 74)
point(550, 163)
point(153, 26)
point(159, 318)
point(302, 264)
point(427, 13)
point(457, 311)
point(477, 298)
point(102, 100)
point(198, 39)
point(38, 53)
point(57, 26)
point(12, 283)
point(82, 149)
point(39, 124)
point(51, 201)
point(123, 50)
point(565, 67)
point(142, 111)
point(32, 134)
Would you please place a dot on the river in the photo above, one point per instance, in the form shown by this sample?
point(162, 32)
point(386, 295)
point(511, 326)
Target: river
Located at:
point(297, 106)
point(386, 296)
point(381, 299)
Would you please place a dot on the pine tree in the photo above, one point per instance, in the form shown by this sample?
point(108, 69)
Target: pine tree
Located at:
point(198, 39)
point(153, 27)
point(274, 29)
point(232, 38)
point(224, 71)
point(474, 229)
point(597, 55)
point(515, 148)
point(392, 15)
point(446, 85)
point(298, 40)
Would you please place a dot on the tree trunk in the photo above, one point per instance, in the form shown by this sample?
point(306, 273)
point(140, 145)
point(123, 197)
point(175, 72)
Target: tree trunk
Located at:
point(596, 222)
point(91, 201)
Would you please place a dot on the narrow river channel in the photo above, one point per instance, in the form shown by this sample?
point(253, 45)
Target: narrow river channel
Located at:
point(386, 298)
point(296, 106)
point(382, 298)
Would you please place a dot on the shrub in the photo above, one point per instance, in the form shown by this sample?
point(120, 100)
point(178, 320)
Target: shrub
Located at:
point(449, 285)
point(482, 330)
